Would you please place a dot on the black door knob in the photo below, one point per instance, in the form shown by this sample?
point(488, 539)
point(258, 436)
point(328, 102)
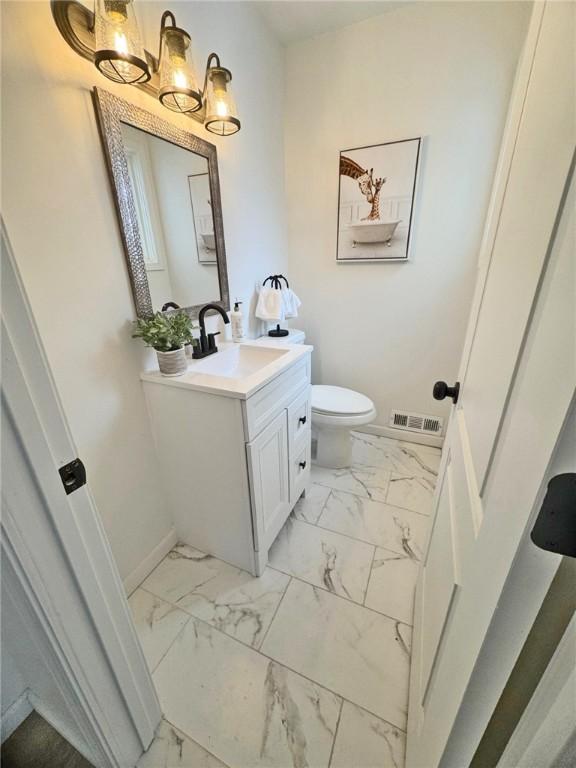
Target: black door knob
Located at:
point(302, 465)
point(442, 390)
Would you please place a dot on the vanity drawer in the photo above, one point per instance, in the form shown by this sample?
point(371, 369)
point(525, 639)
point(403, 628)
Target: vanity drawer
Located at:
point(300, 460)
point(299, 416)
point(268, 402)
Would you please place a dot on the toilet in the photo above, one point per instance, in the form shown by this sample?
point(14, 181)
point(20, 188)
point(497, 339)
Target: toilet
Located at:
point(336, 411)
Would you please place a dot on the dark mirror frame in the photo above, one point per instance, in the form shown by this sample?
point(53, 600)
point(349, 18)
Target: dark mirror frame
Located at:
point(111, 113)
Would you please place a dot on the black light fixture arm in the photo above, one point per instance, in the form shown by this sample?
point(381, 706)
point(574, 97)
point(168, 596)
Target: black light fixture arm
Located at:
point(209, 66)
point(165, 16)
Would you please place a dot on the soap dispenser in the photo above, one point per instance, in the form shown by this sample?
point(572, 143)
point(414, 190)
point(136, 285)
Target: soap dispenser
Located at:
point(237, 322)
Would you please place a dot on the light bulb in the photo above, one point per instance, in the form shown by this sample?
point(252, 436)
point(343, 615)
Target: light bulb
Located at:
point(180, 79)
point(221, 104)
point(120, 43)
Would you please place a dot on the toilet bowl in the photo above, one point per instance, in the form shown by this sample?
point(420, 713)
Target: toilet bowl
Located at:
point(336, 411)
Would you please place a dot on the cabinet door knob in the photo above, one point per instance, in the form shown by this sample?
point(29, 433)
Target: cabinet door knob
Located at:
point(302, 465)
point(302, 419)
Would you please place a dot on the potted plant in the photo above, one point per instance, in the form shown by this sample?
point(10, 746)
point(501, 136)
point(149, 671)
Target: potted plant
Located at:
point(168, 334)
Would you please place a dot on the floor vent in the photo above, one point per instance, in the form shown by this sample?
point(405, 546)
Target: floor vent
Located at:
point(416, 422)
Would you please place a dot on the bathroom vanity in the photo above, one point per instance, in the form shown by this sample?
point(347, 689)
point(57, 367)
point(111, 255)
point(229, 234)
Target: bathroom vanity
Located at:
point(234, 445)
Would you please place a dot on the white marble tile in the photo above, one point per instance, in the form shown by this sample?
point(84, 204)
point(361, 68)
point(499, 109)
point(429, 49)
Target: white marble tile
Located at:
point(392, 585)
point(427, 451)
point(309, 508)
point(372, 450)
point(395, 455)
point(367, 481)
point(365, 741)
point(411, 492)
point(242, 707)
point(173, 749)
point(358, 653)
point(232, 600)
point(157, 624)
point(386, 526)
point(323, 558)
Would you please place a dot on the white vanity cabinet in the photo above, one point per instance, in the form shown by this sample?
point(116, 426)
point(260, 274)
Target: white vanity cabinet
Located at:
point(234, 456)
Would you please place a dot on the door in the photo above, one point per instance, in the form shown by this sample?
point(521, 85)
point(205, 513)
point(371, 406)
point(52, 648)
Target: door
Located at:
point(268, 462)
point(516, 383)
point(80, 658)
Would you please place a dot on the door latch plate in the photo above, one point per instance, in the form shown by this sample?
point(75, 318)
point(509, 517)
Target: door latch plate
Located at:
point(73, 475)
point(555, 526)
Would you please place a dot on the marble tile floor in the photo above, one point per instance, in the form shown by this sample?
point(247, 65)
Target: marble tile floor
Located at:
point(308, 665)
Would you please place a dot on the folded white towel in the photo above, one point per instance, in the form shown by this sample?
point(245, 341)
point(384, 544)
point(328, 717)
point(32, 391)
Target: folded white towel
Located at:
point(291, 303)
point(270, 305)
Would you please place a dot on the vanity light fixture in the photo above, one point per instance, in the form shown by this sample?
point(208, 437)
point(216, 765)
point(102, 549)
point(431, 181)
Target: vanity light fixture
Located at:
point(110, 38)
point(178, 85)
point(221, 114)
point(119, 53)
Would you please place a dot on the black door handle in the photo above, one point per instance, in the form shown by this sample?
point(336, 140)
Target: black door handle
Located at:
point(442, 390)
point(303, 465)
point(302, 419)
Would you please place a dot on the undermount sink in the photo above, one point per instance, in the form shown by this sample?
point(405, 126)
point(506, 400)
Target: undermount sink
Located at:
point(237, 362)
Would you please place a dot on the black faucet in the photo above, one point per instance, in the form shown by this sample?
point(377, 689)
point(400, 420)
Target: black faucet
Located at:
point(207, 344)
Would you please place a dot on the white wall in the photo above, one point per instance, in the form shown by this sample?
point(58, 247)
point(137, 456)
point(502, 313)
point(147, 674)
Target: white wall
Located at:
point(443, 71)
point(60, 216)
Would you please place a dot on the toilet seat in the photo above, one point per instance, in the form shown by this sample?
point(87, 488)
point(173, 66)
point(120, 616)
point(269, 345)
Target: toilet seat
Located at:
point(339, 401)
point(340, 408)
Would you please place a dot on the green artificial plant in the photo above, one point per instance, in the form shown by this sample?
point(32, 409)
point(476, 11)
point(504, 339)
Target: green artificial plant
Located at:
point(165, 332)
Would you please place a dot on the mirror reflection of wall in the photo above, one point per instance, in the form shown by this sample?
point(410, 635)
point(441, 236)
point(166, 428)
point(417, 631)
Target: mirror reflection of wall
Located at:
point(173, 206)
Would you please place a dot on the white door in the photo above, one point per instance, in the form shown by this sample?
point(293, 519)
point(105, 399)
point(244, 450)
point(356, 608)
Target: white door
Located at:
point(268, 462)
point(517, 380)
point(80, 659)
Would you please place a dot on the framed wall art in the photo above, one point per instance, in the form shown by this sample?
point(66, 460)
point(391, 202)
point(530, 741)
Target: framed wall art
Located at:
point(376, 201)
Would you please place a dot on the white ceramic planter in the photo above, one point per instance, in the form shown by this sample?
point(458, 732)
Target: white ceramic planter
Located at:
point(172, 363)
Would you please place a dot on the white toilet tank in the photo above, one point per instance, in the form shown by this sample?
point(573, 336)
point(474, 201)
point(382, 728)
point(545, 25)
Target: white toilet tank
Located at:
point(294, 337)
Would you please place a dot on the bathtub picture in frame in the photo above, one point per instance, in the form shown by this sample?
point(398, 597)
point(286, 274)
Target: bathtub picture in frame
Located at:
point(376, 201)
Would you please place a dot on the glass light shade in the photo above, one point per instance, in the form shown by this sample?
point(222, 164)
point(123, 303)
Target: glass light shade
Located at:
point(178, 85)
point(221, 114)
point(119, 53)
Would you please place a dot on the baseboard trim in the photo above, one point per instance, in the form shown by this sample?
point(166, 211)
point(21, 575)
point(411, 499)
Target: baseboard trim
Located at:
point(134, 579)
point(15, 715)
point(434, 441)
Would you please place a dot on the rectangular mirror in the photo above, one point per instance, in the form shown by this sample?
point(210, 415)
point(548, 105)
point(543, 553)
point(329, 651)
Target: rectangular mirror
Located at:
point(167, 192)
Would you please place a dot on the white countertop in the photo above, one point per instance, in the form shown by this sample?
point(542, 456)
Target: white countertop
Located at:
point(241, 387)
